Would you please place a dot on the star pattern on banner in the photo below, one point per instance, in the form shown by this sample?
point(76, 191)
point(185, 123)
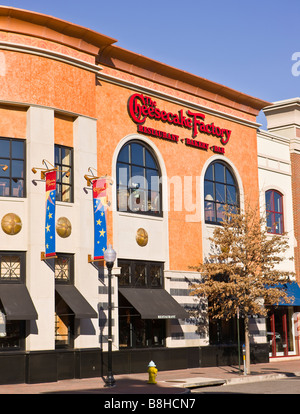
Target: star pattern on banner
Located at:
point(100, 232)
point(50, 214)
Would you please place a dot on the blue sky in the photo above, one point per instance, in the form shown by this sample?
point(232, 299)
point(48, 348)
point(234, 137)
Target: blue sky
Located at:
point(245, 45)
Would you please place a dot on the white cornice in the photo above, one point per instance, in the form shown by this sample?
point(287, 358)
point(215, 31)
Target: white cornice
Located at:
point(273, 137)
point(50, 54)
point(174, 99)
point(27, 105)
point(286, 103)
point(295, 145)
point(274, 170)
point(272, 158)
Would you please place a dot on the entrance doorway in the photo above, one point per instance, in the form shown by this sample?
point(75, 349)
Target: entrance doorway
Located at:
point(282, 333)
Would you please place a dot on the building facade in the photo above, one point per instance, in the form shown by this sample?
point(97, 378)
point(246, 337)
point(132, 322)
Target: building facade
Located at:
point(175, 149)
point(278, 152)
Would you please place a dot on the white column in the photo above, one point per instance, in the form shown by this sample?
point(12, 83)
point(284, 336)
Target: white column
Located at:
point(86, 276)
point(39, 277)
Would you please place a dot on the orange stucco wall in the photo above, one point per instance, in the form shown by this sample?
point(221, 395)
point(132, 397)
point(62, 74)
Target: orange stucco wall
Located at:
point(13, 122)
point(41, 43)
point(172, 88)
point(185, 238)
point(63, 130)
point(37, 80)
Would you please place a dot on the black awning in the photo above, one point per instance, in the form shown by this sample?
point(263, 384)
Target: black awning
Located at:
point(76, 302)
point(154, 303)
point(17, 302)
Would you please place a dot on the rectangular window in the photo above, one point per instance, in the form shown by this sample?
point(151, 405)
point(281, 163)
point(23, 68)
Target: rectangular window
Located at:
point(11, 333)
point(12, 167)
point(12, 270)
point(136, 273)
point(63, 268)
point(274, 212)
point(64, 183)
point(12, 267)
point(64, 317)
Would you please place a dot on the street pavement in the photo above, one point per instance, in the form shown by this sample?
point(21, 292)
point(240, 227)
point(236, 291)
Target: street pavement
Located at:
point(168, 382)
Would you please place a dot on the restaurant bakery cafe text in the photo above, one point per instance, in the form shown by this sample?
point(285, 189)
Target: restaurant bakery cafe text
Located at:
point(141, 108)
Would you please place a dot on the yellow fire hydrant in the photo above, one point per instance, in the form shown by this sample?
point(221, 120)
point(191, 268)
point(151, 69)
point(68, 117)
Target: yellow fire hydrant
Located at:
point(152, 371)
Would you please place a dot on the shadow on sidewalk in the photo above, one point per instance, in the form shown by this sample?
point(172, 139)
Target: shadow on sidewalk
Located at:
point(123, 386)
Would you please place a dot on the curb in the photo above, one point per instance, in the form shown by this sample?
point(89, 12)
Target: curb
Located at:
point(258, 378)
point(191, 383)
point(196, 382)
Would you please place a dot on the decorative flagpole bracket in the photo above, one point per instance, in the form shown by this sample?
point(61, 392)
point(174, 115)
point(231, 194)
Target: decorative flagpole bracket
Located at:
point(91, 260)
point(44, 258)
point(91, 178)
point(44, 171)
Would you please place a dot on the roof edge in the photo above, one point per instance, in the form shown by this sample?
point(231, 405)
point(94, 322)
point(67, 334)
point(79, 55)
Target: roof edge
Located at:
point(134, 63)
point(111, 54)
point(59, 25)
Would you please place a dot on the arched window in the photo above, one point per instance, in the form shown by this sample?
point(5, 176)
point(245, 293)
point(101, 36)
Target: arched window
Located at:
point(138, 180)
point(274, 212)
point(220, 190)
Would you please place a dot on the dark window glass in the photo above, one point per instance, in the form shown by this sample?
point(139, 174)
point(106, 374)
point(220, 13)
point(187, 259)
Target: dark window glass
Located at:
point(155, 275)
point(135, 273)
point(225, 332)
point(11, 333)
point(229, 177)
point(274, 212)
point(231, 194)
point(12, 167)
point(137, 154)
point(220, 192)
point(124, 278)
point(124, 154)
point(12, 267)
point(138, 180)
point(12, 270)
point(5, 147)
point(219, 172)
point(63, 268)
point(150, 161)
point(135, 332)
point(64, 181)
point(140, 275)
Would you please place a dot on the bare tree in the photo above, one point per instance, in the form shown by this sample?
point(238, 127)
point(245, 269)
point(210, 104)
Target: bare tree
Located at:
point(242, 272)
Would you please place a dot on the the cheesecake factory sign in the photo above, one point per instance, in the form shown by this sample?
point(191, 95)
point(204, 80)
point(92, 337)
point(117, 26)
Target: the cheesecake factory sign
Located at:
point(141, 107)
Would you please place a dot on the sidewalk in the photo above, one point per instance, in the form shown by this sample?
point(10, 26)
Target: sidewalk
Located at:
point(168, 382)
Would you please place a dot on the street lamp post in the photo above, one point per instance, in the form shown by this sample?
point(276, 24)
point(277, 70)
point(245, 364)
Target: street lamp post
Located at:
point(109, 257)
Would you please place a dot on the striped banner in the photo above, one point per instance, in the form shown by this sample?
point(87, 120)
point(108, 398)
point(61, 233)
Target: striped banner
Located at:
point(99, 203)
point(50, 214)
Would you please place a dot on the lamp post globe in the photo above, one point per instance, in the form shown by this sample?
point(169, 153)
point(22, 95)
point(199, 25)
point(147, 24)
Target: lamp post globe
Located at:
point(110, 256)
